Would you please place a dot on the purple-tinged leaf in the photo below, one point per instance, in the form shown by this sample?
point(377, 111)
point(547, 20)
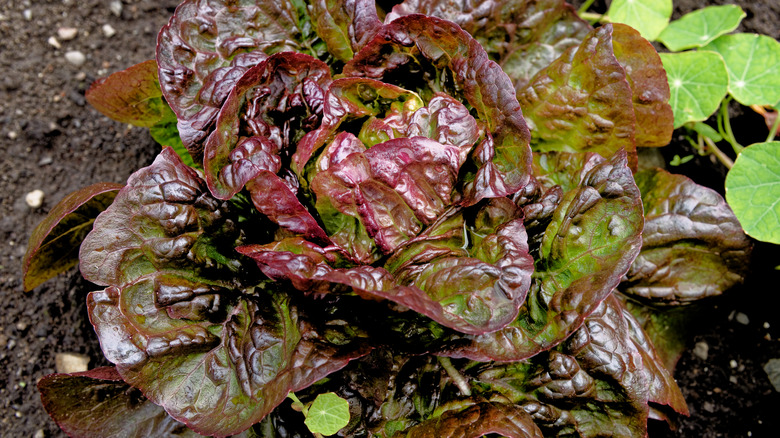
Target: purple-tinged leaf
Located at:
point(207, 46)
point(650, 87)
point(476, 421)
point(693, 245)
point(521, 36)
point(345, 25)
point(434, 55)
point(582, 102)
point(54, 243)
point(270, 108)
point(98, 404)
point(130, 96)
point(589, 244)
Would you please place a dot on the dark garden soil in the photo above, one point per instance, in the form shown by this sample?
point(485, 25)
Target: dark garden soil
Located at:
point(51, 140)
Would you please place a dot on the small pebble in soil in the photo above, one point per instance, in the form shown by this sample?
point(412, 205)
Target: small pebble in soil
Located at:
point(701, 350)
point(27, 14)
point(75, 57)
point(115, 7)
point(12, 135)
point(54, 43)
point(40, 433)
point(743, 319)
point(772, 369)
point(733, 379)
point(71, 362)
point(709, 407)
point(67, 33)
point(46, 160)
point(34, 199)
point(766, 325)
point(733, 363)
point(108, 30)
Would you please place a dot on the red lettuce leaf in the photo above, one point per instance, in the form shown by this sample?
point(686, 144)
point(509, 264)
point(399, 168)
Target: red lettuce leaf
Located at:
point(270, 108)
point(582, 102)
point(434, 55)
point(97, 404)
point(521, 36)
point(694, 246)
point(54, 243)
point(650, 87)
point(592, 237)
point(344, 25)
point(476, 421)
point(181, 303)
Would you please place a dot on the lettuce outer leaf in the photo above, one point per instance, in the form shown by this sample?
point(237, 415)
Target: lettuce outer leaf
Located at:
point(270, 108)
point(582, 102)
point(181, 303)
point(207, 46)
point(646, 76)
point(476, 421)
point(437, 56)
point(521, 36)
point(54, 243)
point(694, 246)
point(592, 238)
point(344, 25)
point(98, 404)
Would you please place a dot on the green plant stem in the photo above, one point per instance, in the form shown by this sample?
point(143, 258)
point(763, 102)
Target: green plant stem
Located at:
point(296, 401)
point(775, 125)
point(724, 125)
point(584, 8)
point(456, 377)
point(723, 158)
point(591, 17)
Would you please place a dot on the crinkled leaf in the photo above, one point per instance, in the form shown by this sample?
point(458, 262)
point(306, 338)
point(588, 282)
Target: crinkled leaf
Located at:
point(698, 82)
point(582, 102)
point(207, 46)
point(522, 37)
point(433, 55)
point(54, 243)
point(181, 303)
point(270, 108)
point(328, 414)
point(646, 76)
point(97, 404)
point(345, 25)
point(589, 244)
point(649, 17)
point(476, 421)
point(701, 27)
point(751, 61)
point(753, 190)
point(693, 245)
point(130, 96)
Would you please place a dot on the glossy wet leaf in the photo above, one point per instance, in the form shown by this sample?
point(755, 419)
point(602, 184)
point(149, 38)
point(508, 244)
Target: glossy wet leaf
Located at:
point(181, 302)
point(698, 82)
point(54, 244)
point(693, 246)
point(649, 17)
point(753, 190)
point(476, 421)
point(345, 25)
point(752, 62)
point(328, 414)
point(701, 27)
point(582, 102)
point(98, 404)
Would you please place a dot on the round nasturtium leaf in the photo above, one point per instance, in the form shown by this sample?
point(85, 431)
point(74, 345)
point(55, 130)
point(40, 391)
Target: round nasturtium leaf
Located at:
point(701, 27)
point(649, 17)
point(698, 82)
point(328, 414)
point(752, 62)
point(753, 190)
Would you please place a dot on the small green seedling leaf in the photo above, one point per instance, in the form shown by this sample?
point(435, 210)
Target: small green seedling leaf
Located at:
point(649, 17)
point(699, 28)
point(753, 190)
point(328, 414)
point(677, 161)
point(54, 243)
point(752, 62)
point(698, 82)
point(708, 131)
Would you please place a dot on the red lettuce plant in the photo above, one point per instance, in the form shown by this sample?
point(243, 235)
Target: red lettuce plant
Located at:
point(427, 217)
